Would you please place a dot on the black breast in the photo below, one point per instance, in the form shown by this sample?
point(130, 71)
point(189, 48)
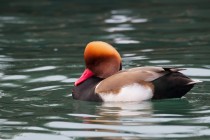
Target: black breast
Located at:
point(86, 90)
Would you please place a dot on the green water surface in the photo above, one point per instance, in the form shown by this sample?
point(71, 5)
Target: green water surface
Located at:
point(41, 56)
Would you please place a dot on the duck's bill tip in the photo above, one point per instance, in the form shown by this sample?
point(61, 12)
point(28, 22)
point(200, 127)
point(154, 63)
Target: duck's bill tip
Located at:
point(86, 74)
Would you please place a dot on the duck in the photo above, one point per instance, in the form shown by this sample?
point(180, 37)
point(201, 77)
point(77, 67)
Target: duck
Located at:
point(104, 80)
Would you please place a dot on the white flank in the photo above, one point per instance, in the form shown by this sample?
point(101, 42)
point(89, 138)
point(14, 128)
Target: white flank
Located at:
point(134, 92)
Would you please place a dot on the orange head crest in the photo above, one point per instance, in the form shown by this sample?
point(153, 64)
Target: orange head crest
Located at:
point(102, 59)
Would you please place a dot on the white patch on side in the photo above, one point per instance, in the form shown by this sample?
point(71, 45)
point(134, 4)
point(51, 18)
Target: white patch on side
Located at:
point(134, 92)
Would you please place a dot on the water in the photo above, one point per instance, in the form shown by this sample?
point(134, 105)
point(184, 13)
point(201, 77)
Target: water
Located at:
point(41, 55)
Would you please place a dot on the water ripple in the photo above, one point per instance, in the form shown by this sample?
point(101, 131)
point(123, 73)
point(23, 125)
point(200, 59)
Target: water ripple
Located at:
point(4, 58)
point(84, 115)
point(15, 77)
point(95, 134)
point(125, 41)
point(13, 123)
point(44, 68)
point(49, 78)
point(1, 94)
point(199, 120)
point(12, 19)
point(44, 88)
point(12, 85)
point(70, 80)
point(139, 20)
point(159, 61)
point(121, 27)
point(132, 58)
point(197, 72)
point(28, 99)
point(143, 131)
point(115, 19)
point(34, 136)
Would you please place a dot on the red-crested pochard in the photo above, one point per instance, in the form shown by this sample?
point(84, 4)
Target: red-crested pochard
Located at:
point(103, 79)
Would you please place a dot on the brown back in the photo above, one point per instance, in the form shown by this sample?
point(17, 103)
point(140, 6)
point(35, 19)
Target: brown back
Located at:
point(142, 75)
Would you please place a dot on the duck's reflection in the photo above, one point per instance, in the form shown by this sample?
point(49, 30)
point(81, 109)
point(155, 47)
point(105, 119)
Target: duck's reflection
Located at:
point(122, 113)
point(112, 117)
point(126, 109)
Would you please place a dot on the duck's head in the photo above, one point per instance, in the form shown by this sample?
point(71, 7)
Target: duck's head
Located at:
point(101, 60)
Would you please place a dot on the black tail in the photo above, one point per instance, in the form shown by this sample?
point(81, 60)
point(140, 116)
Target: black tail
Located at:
point(172, 85)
